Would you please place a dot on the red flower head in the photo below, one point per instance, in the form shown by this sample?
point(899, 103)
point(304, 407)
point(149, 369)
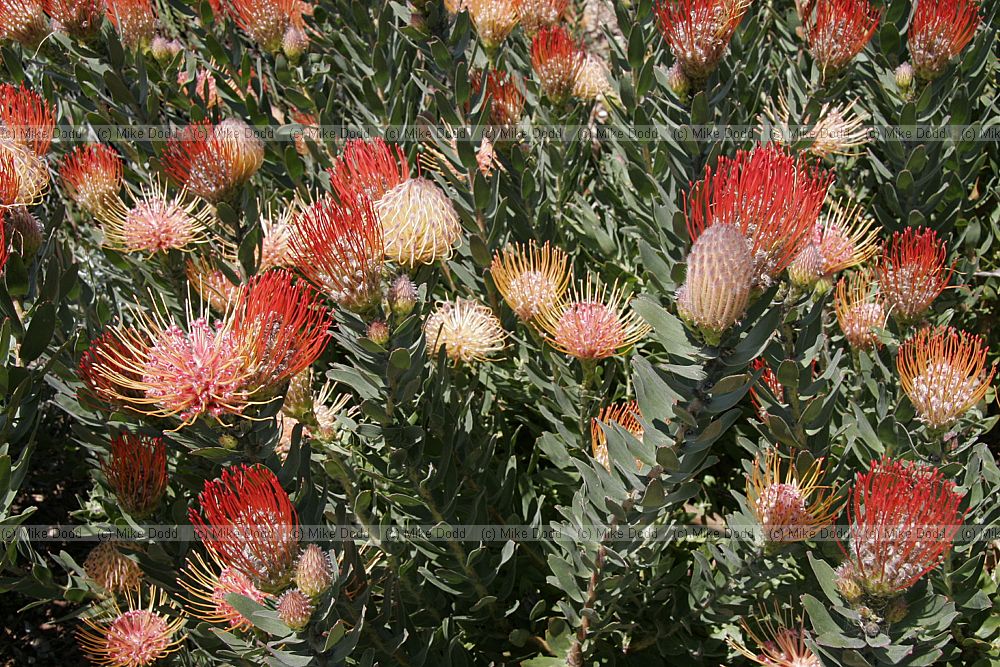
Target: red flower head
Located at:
point(281, 326)
point(940, 29)
point(556, 58)
point(250, 523)
point(213, 161)
point(912, 272)
point(903, 519)
point(506, 98)
point(841, 30)
point(23, 21)
point(26, 120)
point(92, 175)
point(77, 18)
point(136, 469)
point(340, 248)
point(698, 31)
point(271, 23)
point(134, 21)
point(771, 196)
point(944, 373)
point(370, 167)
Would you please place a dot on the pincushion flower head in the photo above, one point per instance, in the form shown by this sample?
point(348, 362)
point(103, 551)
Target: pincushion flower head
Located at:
point(836, 130)
point(592, 80)
point(793, 506)
point(944, 372)
point(134, 635)
point(112, 570)
point(153, 221)
point(903, 518)
point(531, 279)
point(780, 642)
point(313, 571)
point(370, 167)
point(208, 582)
point(80, 19)
point(556, 59)
point(248, 521)
point(24, 22)
point(720, 277)
point(211, 284)
point(505, 98)
point(841, 29)
point(339, 246)
point(771, 196)
point(768, 379)
point(419, 223)
point(626, 415)
point(697, 32)
point(213, 161)
point(274, 329)
point(842, 239)
point(938, 32)
point(276, 25)
point(538, 14)
point(136, 470)
point(467, 330)
point(493, 19)
point(134, 21)
point(860, 309)
point(592, 322)
point(91, 175)
point(26, 125)
point(276, 236)
point(912, 272)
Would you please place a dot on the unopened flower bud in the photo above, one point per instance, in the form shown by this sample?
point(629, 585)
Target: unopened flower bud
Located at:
point(160, 49)
point(897, 610)
point(402, 296)
point(904, 77)
point(378, 332)
point(24, 232)
point(848, 584)
point(294, 43)
point(679, 84)
point(295, 609)
point(313, 572)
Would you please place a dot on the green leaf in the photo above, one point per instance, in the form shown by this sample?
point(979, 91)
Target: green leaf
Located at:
point(39, 333)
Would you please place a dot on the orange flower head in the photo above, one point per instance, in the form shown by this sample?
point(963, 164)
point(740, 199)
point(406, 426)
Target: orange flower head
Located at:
point(209, 582)
point(339, 246)
point(944, 372)
point(467, 330)
point(538, 14)
point(283, 327)
point(842, 28)
point(531, 279)
point(213, 161)
point(91, 175)
point(624, 414)
point(594, 323)
point(10, 180)
point(698, 31)
point(211, 284)
point(370, 167)
point(771, 196)
point(26, 120)
point(505, 97)
point(80, 19)
point(912, 272)
point(24, 22)
point(112, 570)
point(769, 379)
point(248, 521)
point(780, 643)
point(790, 507)
point(136, 470)
point(843, 239)
point(556, 59)
point(267, 22)
point(134, 21)
point(938, 32)
point(720, 277)
point(860, 310)
point(903, 518)
point(493, 19)
point(420, 223)
point(154, 221)
point(133, 636)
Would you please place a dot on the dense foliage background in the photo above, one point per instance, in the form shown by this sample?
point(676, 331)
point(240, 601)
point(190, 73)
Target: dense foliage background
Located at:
point(420, 440)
